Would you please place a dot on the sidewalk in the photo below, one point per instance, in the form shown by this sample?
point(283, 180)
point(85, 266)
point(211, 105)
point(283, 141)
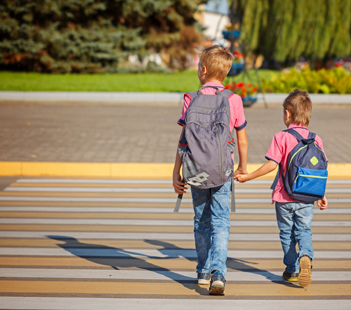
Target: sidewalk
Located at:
point(100, 133)
point(145, 97)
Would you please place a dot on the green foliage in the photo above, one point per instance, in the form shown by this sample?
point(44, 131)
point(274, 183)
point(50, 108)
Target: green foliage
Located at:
point(283, 30)
point(94, 35)
point(335, 81)
point(181, 81)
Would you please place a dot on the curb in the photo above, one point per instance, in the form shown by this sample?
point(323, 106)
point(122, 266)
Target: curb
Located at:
point(145, 97)
point(124, 170)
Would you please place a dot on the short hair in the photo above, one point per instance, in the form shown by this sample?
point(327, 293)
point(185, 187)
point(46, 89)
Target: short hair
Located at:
point(218, 61)
point(299, 104)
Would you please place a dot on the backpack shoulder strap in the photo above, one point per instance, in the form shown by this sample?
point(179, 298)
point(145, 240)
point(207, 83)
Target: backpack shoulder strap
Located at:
point(191, 94)
point(275, 182)
point(294, 133)
point(311, 135)
point(227, 93)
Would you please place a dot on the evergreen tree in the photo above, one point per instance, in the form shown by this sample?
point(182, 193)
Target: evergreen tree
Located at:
point(94, 35)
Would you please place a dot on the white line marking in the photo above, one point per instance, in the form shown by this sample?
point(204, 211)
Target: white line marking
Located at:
point(96, 181)
point(137, 222)
point(145, 200)
point(149, 210)
point(109, 181)
point(92, 254)
point(78, 303)
point(155, 236)
point(144, 190)
point(264, 276)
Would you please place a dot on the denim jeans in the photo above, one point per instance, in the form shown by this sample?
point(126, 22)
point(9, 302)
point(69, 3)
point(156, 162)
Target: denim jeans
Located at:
point(294, 222)
point(211, 227)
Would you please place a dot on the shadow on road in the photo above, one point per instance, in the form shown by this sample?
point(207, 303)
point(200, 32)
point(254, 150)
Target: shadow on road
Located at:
point(120, 258)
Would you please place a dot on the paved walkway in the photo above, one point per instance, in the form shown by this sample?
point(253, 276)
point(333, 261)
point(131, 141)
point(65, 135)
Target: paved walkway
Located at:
point(140, 133)
point(108, 244)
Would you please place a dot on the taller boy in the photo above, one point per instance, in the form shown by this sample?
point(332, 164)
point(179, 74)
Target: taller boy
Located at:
point(211, 205)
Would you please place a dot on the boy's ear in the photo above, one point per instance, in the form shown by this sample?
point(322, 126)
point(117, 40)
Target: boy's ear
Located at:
point(288, 114)
point(204, 70)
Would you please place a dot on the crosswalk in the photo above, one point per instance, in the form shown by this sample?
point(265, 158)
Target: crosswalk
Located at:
point(113, 244)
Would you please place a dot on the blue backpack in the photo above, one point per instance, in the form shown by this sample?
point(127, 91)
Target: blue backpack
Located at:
point(306, 175)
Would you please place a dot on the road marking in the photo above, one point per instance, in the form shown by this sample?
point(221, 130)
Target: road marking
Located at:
point(150, 210)
point(74, 303)
point(173, 289)
point(107, 181)
point(162, 253)
point(159, 236)
point(263, 276)
point(144, 190)
point(151, 222)
point(144, 263)
point(144, 200)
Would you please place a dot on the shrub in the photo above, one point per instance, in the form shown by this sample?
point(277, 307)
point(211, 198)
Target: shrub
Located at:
point(335, 81)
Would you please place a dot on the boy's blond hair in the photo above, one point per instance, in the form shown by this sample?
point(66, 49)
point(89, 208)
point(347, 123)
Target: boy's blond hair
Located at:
point(299, 104)
point(218, 61)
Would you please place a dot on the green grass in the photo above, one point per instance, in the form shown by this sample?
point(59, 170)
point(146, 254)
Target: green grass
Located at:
point(143, 82)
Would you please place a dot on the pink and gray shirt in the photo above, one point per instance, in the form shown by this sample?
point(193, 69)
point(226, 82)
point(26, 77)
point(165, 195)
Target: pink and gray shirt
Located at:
point(281, 146)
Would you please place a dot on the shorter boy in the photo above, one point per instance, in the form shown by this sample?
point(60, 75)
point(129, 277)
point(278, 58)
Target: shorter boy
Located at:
point(293, 217)
point(211, 205)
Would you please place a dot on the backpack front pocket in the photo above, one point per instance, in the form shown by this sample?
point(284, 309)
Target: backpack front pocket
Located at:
point(310, 181)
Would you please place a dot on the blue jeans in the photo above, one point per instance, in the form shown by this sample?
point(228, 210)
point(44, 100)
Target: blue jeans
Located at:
point(211, 227)
point(294, 222)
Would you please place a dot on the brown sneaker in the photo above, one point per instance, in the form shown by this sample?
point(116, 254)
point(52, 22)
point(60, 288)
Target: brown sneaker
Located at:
point(305, 275)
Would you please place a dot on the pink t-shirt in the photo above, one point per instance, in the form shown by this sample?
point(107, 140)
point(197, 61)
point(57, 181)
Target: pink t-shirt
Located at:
point(282, 144)
point(237, 117)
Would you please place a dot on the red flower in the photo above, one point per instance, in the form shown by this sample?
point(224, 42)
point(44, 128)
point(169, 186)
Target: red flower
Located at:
point(236, 53)
point(249, 85)
point(239, 85)
point(255, 89)
point(228, 86)
point(241, 55)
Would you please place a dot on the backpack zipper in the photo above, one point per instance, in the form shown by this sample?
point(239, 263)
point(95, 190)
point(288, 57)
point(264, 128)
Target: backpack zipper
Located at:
point(309, 176)
point(220, 148)
point(295, 154)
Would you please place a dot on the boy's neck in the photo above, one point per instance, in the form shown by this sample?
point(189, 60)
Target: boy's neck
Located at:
point(212, 81)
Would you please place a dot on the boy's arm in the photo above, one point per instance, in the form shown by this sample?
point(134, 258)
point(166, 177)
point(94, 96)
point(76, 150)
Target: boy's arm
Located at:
point(179, 186)
point(268, 167)
point(243, 148)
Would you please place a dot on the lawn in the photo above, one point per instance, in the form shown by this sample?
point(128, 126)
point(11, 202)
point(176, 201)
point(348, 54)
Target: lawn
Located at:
point(143, 82)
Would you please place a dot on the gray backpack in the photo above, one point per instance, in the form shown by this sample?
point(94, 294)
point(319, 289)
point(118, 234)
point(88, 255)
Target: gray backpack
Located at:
point(207, 145)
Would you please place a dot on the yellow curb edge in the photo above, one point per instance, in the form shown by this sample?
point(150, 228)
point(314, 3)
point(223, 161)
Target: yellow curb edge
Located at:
point(124, 170)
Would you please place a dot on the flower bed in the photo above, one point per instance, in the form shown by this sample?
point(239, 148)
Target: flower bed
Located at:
point(335, 81)
point(245, 90)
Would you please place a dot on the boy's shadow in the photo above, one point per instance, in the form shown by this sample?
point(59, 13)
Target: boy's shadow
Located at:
point(119, 258)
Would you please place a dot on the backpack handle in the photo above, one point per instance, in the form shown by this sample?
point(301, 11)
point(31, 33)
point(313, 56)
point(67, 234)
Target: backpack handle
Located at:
point(310, 139)
point(294, 133)
point(218, 92)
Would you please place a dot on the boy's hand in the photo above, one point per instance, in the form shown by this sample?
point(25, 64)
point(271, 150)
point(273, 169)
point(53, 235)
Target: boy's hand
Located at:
point(179, 186)
point(322, 203)
point(241, 178)
point(240, 171)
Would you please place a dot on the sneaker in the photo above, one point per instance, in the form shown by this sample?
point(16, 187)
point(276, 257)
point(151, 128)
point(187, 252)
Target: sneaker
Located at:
point(291, 277)
point(217, 284)
point(203, 278)
point(305, 275)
